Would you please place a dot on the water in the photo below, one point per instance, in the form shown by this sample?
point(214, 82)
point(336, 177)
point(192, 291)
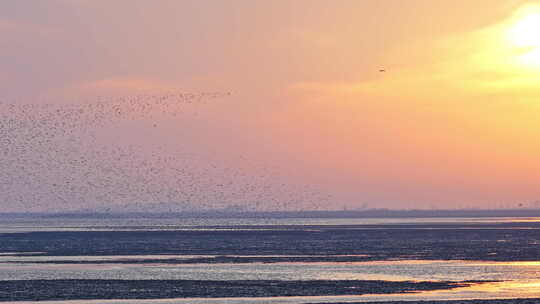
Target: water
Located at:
point(517, 279)
point(23, 224)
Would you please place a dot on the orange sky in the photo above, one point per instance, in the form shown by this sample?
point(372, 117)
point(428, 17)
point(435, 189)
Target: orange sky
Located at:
point(453, 122)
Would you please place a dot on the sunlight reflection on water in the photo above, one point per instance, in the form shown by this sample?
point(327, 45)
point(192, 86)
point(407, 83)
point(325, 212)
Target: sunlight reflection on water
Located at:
point(523, 277)
point(415, 270)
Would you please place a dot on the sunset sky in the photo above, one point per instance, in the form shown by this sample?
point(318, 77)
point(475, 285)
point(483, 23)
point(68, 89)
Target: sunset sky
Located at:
point(452, 122)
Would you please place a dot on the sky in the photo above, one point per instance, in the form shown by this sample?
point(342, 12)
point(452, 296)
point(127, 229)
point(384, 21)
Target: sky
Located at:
point(379, 104)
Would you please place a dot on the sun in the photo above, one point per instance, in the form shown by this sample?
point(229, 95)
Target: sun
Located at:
point(526, 32)
point(524, 36)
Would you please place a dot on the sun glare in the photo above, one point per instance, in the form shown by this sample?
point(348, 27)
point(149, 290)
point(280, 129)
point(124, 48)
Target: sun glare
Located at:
point(525, 37)
point(526, 32)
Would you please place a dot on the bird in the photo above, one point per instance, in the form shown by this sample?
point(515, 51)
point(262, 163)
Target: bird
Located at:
point(55, 154)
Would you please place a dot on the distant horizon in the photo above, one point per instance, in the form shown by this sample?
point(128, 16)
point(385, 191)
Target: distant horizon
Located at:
point(368, 213)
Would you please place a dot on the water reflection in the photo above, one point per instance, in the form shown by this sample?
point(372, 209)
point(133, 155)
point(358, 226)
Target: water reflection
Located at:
point(521, 279)
point(22, 268)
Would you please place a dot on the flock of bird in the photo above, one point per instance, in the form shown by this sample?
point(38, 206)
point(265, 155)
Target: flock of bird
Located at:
point(52, 159)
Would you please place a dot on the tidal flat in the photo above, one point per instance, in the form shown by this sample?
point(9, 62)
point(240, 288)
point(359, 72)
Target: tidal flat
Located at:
point(270, 263)
point(46, 290)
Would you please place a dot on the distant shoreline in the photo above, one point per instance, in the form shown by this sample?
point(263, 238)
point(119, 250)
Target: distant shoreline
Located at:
point(372, 213)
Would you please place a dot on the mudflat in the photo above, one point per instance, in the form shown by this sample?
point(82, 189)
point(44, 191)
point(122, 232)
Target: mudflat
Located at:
point(42, 290)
